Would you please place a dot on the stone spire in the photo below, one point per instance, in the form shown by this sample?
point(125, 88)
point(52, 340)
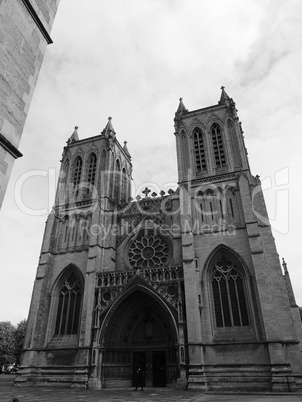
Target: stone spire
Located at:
point(74, 136)
point(181, 107)
point(125, 148)
point(179, 112)
point(226, 100)
point(108, 130)
point(288, 285)
point(109, 134)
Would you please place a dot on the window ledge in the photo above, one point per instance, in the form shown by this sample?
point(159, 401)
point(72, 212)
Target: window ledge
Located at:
point(233, 334)
point(63, 341)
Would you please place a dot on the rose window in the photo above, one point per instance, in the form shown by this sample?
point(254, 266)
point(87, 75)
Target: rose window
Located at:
point(148, 251)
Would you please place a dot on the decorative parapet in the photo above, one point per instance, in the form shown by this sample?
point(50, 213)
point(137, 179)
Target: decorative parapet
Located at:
point(131, 214)
point(213, 179)
point(167, 281)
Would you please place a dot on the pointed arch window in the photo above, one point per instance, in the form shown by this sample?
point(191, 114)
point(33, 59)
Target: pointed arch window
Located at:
point(69, 307)
point(91, 169)
point(219, 152)
point(65, 172)
point(77, 171)
point(232, 206)
point(62, 194)
point(116, 187)
point(229, 294)
point(199, 150)
point(103, 160)
point(184, 152)
point(235, 144)
point(210, 205)
point(124, 185)
point(65, 229)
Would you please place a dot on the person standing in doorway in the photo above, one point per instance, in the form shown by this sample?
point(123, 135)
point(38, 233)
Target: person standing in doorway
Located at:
point(139, 379)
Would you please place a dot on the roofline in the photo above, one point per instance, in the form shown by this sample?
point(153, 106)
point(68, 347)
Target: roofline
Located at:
point(202, 109)
point(99, 136)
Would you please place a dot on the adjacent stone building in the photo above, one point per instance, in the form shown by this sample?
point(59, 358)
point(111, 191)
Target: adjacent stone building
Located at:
point(185, 285)
point(24, 34)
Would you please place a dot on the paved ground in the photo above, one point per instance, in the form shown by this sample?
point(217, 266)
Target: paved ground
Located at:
point(42, 394)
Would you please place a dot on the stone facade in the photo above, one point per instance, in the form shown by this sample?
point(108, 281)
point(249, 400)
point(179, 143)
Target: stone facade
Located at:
point(24, 35)
point(186, 285)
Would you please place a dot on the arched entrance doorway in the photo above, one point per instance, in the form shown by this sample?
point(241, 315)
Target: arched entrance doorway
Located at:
point(139, 331)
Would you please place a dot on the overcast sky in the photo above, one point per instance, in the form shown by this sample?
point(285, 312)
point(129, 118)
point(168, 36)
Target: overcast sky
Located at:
point(133, 60)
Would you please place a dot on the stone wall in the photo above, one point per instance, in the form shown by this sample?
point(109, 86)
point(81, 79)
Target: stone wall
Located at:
point(24, 35)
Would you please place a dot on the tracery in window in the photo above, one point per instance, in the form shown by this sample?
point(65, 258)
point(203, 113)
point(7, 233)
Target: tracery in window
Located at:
point(229, 294)
point(69, 306)
point(148, 251)
point(199, 150)
point(219, 153)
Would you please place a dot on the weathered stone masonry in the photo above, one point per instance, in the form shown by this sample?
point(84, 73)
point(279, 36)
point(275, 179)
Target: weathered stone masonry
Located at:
point(24, 34)
point(185, 285)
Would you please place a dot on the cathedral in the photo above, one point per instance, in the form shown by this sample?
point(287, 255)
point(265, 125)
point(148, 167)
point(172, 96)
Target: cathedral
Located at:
point(185, 285)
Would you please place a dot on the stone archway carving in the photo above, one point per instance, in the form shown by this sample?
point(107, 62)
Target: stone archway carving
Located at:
point(138, 323)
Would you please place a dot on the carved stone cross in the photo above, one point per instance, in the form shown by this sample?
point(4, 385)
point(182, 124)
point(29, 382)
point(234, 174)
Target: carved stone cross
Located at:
point(146, 192)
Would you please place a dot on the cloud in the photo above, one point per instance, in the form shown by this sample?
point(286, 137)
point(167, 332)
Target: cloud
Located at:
point(132, 60)
point(279, 38)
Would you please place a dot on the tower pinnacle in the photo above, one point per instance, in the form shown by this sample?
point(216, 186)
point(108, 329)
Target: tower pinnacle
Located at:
point(125, 148)
point(181, 107)
point(74, 136)
point(227, 101)
point(179, 112)
point(109, 133)
point(224, 98)
point(284, 265)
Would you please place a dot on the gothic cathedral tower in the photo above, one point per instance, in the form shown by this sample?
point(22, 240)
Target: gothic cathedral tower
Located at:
point(239, 324)
point(186, 285)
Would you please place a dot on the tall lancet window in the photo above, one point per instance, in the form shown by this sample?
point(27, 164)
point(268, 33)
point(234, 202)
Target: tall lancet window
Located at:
point(229, 294)
point(124, 185)
point(62, 194)
point(235, 144)
point(184, 152)
point(65, 172)
point(103, 160)
point(69, 307)
point(77, 173)
point(91, 172)
point(199, 150)
point(116, 188)
point(219, 153)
